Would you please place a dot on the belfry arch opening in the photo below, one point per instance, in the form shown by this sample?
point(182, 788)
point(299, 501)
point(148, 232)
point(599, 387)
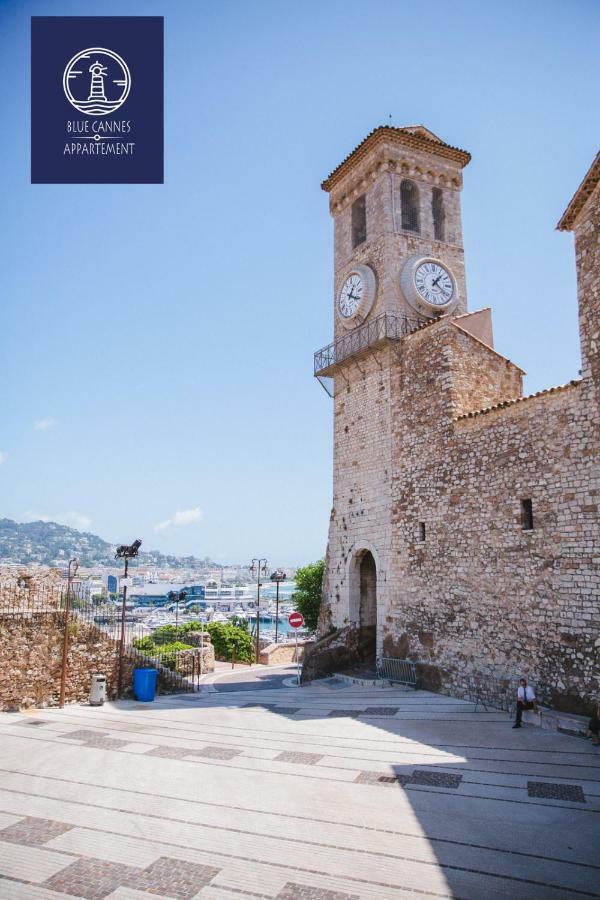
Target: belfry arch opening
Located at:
point(363, 602)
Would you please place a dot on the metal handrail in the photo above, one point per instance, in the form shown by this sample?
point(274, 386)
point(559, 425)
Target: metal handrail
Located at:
point(386, 326)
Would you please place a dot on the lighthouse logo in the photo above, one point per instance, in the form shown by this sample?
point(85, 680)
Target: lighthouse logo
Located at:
point(97, 81)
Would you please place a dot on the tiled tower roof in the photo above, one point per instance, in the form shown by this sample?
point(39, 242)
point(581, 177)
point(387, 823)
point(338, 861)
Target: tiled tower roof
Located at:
point(416, 137)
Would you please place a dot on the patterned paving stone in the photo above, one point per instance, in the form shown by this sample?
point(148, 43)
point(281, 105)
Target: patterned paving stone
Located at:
point(171, 752)
point(435, 779)
point(307, 759)
point(173, 878)
point(551, 791)
point(380, 779)
point(92, 879)
point(215, 752)
point(344, 713)
point(294, 891)
point(85, 734)
point(95, 879)
point(105, 743)
point(381, 711)
point(33, 832)
point(33, 722)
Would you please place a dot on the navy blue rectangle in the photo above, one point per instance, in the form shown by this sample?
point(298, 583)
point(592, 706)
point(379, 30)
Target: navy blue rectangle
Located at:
point(97, 118)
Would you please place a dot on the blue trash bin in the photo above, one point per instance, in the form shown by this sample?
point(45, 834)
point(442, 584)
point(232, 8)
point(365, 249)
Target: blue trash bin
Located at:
point(144, 684)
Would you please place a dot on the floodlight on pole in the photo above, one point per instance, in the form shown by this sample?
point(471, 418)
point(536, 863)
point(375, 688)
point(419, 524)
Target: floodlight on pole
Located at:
point(126, 552)
point(258, 566)
point(278, 576)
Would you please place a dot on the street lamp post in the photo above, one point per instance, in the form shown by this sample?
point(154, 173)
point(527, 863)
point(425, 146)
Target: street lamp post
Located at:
point(177, 597)
point(63, 676)
point(126, 552)
point(278, 576)
point(260, 567)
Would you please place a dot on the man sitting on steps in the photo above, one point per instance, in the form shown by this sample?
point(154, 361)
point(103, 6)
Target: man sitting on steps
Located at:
point(525, 700)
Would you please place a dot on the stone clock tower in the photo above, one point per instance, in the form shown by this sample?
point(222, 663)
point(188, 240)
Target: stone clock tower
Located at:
point(465, 515)
point(395, 202)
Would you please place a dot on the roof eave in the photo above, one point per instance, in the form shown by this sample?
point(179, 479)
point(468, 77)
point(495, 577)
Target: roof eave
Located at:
point(581, 196)
point(400, 135)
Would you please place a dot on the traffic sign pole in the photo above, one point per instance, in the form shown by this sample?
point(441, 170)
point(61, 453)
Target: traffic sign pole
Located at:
point(296, 621)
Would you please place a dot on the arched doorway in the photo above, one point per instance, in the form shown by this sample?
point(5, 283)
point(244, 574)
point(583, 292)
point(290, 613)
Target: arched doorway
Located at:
point(363, 602)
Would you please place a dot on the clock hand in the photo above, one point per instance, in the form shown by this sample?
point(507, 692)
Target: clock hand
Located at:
point(434, 283)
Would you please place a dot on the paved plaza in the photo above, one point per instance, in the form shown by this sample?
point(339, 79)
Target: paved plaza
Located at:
point(255, 788)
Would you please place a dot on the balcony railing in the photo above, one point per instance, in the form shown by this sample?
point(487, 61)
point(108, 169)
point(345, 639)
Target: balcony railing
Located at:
point(386, 327)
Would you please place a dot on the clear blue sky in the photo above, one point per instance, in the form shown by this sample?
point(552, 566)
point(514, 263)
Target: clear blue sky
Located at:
point(177, 376)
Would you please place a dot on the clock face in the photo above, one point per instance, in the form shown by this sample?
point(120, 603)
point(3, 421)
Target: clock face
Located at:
point(351, 295)
point(434, 283)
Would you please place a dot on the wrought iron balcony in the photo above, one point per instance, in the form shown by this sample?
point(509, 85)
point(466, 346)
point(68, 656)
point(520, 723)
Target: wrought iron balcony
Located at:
point(385, 327)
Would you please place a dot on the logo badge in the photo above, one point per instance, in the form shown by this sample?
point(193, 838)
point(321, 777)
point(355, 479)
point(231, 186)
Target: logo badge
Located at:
point(96, 81)
point(97, 95)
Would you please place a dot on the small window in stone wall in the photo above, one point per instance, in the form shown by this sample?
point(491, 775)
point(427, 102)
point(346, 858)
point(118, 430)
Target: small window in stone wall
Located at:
point(359, 221)
point(422, 531)
point(526, 515)
point(439, 215)
point(409, 202)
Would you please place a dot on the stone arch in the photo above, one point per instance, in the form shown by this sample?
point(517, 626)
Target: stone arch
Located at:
point(363, 577)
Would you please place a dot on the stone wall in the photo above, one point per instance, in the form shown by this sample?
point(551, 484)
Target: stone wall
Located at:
point(587, 257)
point(278, 654)
point(202, 641)
point(31, 661)
point(478, 595)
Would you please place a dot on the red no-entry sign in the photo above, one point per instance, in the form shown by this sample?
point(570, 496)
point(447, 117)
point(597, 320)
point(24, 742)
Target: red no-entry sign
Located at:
point(296, 620)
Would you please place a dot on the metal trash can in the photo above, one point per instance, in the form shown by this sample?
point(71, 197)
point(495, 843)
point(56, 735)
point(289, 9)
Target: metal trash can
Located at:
point(144, 684)
point(98, 690)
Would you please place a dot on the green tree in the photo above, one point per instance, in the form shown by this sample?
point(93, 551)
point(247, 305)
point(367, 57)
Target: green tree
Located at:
point(225, 637)
point(307, 597)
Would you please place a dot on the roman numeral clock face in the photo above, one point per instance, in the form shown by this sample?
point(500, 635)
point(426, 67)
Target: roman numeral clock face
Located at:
point(429, 286)
point(356, 296)
point(351, 295)
point(434, 283)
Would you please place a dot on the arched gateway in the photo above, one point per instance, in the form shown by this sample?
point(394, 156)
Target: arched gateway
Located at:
point(363, 601)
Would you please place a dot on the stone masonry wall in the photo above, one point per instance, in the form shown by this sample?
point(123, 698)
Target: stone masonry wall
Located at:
point(31, 661)
point(587, 255)
point(479, 594)
point(362, 479)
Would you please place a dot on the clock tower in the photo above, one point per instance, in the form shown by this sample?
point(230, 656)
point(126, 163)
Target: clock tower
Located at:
point(395, 202)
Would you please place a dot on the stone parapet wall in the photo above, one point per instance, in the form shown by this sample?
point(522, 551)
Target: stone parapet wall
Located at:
point(31, 661)
point(278, 654)
point(204, 649)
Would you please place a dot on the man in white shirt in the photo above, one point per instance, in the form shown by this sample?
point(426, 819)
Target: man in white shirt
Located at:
point(525, 700)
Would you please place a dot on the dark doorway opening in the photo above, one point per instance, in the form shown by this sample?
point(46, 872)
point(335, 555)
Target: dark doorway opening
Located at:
point(367, 611)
